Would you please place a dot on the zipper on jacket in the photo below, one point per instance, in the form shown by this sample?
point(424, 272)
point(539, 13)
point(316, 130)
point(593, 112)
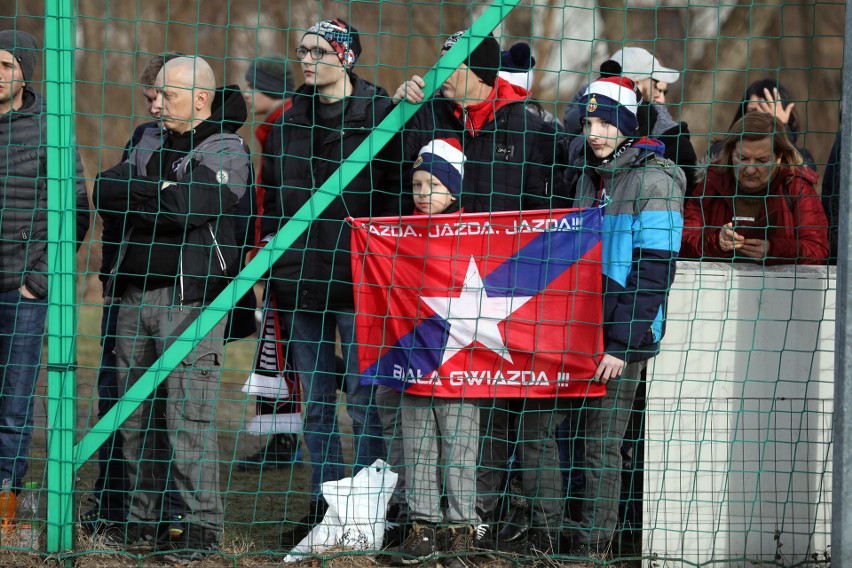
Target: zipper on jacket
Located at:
point(180, 278)
point(219, 254)
point(465, 118)
point(113, 272)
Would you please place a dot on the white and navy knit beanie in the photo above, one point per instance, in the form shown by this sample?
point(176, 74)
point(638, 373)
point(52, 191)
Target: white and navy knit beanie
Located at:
point(444, 159)
point(516, 65)
point(615, 100)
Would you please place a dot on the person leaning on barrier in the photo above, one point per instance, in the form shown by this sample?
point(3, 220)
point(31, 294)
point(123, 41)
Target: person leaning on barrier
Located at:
point(178, 194)
point(510, 166)
point(333, 112)
point(758, 201)
point(23, 246)
point(642, 194)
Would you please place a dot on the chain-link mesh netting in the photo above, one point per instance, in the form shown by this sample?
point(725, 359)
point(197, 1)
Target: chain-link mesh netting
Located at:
point(579, 301)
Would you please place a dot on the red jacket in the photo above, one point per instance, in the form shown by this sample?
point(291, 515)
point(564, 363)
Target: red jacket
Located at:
point(478, 115)
point(797, 226)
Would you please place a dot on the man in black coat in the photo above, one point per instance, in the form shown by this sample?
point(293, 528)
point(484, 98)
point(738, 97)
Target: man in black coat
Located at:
point(23, 246)
point(332, 113)
point(178, 194)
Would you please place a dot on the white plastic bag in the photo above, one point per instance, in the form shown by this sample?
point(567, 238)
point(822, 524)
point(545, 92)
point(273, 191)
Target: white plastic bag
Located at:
point(355, 518)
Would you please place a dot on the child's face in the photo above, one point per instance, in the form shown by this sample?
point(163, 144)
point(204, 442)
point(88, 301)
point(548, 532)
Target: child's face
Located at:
point(602, 137)
point(430, 195)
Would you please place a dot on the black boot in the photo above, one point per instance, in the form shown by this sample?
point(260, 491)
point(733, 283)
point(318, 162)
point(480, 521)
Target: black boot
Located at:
point(280, 451)
point(292, 536)
point(515, 527)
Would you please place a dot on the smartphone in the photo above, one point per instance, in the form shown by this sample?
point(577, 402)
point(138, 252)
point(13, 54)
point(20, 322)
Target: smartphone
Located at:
point(748, 228)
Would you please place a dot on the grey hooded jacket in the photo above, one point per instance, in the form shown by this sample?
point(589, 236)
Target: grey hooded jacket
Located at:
point(23, 190)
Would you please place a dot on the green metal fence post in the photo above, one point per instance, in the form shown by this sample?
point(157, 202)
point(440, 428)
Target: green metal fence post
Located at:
point(62, 260)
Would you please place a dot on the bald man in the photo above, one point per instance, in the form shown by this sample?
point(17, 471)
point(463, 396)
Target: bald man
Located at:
point(177, 193)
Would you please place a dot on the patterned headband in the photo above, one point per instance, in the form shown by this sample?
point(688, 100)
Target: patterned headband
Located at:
point(340, 38)
point(452, 40)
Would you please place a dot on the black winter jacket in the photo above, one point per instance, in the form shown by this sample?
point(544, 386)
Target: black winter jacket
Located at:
point(23, 190)
point(195, 215)
point(114, 225)
point(510, 161)
point(315, 273)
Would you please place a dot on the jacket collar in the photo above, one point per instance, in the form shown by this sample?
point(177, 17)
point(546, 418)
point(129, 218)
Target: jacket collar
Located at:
point(356, 104)
point(477, 116)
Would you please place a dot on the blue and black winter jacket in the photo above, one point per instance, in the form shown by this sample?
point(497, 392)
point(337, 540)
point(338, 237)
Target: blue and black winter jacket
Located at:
point(643, 223)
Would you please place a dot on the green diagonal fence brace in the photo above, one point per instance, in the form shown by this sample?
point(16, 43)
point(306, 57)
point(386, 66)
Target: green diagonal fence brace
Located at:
point(255, 269)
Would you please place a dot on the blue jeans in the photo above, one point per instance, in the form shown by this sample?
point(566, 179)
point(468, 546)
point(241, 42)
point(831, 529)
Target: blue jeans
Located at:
point(21, 336)
point(312, 347)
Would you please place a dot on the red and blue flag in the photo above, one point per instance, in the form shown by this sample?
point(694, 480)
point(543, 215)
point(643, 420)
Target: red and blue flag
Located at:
point(480, 304)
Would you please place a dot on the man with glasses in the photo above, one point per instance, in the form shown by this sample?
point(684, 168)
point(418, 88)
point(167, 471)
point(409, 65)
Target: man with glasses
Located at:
point(332, 113)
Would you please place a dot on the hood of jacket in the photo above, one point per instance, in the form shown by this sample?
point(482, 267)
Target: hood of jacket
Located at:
point(229, 108)
point(663, 121)
point(33, 104)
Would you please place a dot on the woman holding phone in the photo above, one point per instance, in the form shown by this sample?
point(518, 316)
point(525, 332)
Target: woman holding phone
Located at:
point(757, 202)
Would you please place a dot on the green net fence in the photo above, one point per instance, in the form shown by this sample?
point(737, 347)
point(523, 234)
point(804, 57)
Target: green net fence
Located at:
point(572, 284)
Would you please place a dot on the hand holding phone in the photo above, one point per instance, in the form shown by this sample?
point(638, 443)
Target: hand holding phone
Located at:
point(748, 228)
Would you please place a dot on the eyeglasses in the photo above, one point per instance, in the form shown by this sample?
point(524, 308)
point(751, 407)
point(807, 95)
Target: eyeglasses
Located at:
point(317, 53)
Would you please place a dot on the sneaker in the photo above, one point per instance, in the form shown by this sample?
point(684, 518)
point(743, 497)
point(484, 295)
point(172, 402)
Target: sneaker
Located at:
point(195, 544)
point(484, 538)
point(396, 527)
point(91, 522)
point(395, 534)
point(281, 450)
point(458, 544)
point(417, 547)
point(515, 528)
point(176, 527)
point(486, 542)
point(133, 536)
point(289, 538)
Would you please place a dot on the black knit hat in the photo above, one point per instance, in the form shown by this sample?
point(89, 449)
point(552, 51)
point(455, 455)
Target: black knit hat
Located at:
point(484, 61)
point(268, 74)
point(23, 47)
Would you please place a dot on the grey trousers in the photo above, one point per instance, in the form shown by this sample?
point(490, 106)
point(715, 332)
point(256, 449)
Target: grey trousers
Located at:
point(172, 434)
point(606, 423)
point(454, 425)
point(532, 423)
point(389, 403)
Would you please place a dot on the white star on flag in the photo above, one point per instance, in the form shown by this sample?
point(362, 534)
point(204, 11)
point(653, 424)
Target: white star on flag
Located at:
point(474, 316)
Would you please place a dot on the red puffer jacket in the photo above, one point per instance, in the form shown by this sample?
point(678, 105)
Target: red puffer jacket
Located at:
point(797, 226)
